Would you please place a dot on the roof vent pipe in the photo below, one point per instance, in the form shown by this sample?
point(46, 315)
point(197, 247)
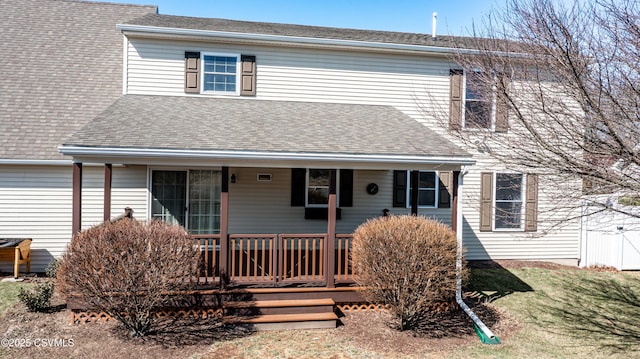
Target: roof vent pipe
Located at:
point(433, 25)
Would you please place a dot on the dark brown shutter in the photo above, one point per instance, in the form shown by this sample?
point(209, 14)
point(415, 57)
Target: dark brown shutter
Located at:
point(445, 188)
point(531, 204)
point(502, 124)
point(400, 189)
point(346, 188)
point(191, 72)
point(455, 99)
point(248, 76)
point(298, 186)
point(486, 201)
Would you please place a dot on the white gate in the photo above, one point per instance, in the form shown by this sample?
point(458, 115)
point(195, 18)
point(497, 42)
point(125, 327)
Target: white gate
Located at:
point(611, 239)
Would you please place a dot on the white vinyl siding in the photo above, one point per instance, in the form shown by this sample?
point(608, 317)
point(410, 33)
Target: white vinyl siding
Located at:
point(549, 243)
point(157, 68)
point(264, 207)
point(35, 202)
point(418, 85)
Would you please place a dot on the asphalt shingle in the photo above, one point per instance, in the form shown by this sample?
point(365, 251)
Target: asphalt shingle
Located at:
point(266, 28)
point(60, 66)
point(201, 123)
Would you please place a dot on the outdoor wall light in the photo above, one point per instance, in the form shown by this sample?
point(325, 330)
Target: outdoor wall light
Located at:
point(233, 178)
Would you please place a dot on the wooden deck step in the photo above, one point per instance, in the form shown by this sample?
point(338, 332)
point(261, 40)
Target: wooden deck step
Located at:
point(280, 303)
point(284, 306)
point(287, 321)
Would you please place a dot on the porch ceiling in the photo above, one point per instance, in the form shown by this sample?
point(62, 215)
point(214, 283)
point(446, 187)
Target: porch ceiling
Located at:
point(193, 128)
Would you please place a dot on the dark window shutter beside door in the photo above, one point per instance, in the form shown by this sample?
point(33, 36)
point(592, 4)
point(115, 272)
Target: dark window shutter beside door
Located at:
point(298, 186)
point(346, 188)
point(502, 124)
point(445, 189)
point(248, 76)
point(455, 99)
point(400, 189)
point(191, 72)
point(486, 201)
point(531, 204)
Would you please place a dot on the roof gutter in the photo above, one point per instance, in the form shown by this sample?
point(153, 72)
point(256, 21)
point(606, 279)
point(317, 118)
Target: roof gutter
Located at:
point(25, 162)
point(258, 155)
point(155, 31)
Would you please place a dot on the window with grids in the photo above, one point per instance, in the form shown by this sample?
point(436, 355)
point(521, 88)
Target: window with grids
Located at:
point(427, 189)
point(220, 74)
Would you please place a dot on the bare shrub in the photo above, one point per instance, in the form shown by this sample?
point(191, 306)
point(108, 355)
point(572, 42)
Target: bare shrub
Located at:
point(407, 262)
point(129, 269)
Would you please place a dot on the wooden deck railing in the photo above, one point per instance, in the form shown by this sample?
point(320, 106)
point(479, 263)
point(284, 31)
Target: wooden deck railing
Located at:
point(344, 271)
point(269, 259)
point(301, 258)
point(252, 258)
point(209, 245)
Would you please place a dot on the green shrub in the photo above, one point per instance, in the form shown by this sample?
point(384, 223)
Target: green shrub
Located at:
point(52, 269)
point(129, 269)
point(408, 263)
point(38, 298)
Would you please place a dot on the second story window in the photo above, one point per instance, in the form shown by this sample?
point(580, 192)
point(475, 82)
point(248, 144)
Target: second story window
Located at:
point(478, 103)
point(220, 73)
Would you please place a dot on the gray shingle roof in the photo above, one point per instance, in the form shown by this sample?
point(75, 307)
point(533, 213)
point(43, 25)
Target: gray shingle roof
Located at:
point(60, 66)
point(200, 123)
point(265, 28)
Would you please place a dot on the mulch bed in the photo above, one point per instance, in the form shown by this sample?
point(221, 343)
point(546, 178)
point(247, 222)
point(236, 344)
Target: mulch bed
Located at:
point(366, 331)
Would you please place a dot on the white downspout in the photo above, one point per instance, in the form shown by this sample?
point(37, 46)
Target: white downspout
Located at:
point(459, 231)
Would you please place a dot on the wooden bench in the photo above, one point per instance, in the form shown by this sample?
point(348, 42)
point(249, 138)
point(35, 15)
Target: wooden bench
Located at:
point(17, 250)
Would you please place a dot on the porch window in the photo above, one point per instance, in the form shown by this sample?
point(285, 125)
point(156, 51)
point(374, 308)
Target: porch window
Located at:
point(427, 189)
point(317, 188)
point(187, 198)
point(508, 200)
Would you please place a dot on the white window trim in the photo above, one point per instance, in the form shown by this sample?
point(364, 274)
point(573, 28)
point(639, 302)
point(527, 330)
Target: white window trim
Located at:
point(523, 193)
point(306, 189)
point(238, 74)
point(437, 189)
point(150, 171)
point(492, 113)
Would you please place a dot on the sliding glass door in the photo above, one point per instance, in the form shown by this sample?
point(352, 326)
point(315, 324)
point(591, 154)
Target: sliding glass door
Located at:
point(189, 198)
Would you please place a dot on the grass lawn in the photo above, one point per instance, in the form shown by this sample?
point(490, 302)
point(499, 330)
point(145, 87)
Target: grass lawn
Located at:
point(8, 295)
point(551, 313)
point(564, 313)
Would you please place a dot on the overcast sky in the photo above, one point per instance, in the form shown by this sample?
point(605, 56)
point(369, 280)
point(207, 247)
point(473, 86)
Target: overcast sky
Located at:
point(455, 17)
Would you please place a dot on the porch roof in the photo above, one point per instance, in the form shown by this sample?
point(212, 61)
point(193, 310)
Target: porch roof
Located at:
point(158, 126)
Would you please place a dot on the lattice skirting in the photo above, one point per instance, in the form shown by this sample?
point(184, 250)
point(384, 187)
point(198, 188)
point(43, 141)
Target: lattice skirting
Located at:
point(361, 307)
point(81, 316)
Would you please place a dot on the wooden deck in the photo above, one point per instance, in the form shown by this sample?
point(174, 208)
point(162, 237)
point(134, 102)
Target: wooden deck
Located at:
point(268, 281)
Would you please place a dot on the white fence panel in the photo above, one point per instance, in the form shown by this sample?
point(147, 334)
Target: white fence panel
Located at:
point(610, 239)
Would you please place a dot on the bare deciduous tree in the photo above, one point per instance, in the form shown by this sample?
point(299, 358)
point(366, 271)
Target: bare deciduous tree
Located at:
point(568, 76)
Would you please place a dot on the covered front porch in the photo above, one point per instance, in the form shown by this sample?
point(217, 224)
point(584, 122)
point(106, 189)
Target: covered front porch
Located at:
point(316, 257)
point(286, 182)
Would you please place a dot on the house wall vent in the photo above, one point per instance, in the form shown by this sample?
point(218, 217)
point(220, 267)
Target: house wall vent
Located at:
point(264, 177)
